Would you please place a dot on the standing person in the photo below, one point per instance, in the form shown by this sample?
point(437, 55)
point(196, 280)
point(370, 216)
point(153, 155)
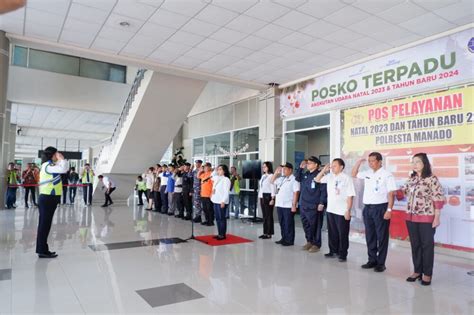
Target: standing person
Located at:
point(140, 187)
point(163, 192)
point(73, 180)
point(206, 192)
point(266, 195)
point(313, 199)
point(341, 192)
point(197, 202)
point(378, 200)
point(156, 189)
point(220, 199)
point(65, 183)
point(286, 201)
point(12, 181)
point(178, 193)
point(170, 190)
point(149, 180)
point(109, 186)
point(187, 191)
point(50, 191)
point(29, 182)
point(425, 200)
point(87, 179)
point(234, 203)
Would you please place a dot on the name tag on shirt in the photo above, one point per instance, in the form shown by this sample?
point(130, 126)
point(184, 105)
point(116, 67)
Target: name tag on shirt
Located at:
point(313, 185)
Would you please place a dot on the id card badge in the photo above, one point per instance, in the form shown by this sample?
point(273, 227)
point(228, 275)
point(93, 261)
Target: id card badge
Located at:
point(313, 184)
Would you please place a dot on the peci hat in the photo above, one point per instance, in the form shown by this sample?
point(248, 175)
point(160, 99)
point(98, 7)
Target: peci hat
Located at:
point(198, 161)
point(288, 165)
point(314, 160)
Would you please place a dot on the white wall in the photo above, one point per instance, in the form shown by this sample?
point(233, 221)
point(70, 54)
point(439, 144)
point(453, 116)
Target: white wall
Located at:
point(31, 86)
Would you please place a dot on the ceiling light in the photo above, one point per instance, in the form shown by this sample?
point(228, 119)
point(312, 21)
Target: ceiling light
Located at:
point(124, 24)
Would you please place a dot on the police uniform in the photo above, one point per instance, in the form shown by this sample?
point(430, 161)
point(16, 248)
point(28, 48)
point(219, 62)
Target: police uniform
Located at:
point(197, 203)
point(50, 192)
point(312, 194)
point(187, 195)
point(377, 186)
point(286, 187)
point(87, 179)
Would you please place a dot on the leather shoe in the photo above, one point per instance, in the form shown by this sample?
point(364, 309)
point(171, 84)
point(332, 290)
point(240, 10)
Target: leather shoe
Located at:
point(197, 220)
point(262, 236)
point(368, 265)
point(379, 268)
point(104, 205)
point(266, 237)
point(48, 255)
point(210, 224)
point(204, 223)
point(330, 255)
point(279, 242)
point(413, 279)
point(342, 259)
point(220, 238)
point(286, 244)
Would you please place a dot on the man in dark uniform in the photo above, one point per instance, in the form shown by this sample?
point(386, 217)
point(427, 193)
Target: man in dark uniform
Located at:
point(313, 199)
point(187, 191)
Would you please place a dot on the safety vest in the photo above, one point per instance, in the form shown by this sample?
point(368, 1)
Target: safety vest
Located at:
point(141, 186)
point(236, 185)
point(91, 177)
point(12, 179)
point(50, 184)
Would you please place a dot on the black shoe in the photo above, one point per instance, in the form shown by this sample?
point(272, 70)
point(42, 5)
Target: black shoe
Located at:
point(104, 205)
point(220, 238)
point(187, 218)
point(411, 279)
point(197, 220)
point(279, 242)
point(267, 237)
point(26, 207)
point(48, 255)
point(203, 223)
point(148, 209)
point(379, 268)
point(111, 203)
point(139, 204)
point(368, 265)
point(342, 259)
point(215, 236)
point(262, 236)
point(170, 213)
point(286, 244)
point(425, 283)
point(210, 224)
point(330, 255)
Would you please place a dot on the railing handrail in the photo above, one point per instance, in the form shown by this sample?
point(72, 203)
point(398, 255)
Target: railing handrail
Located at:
point(126, 107)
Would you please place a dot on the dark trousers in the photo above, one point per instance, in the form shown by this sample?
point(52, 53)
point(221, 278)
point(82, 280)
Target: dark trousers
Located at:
point(338, 234)
point(179, 204)
point(140, 196)
point(221, 220)
point(188, 204)
point(11, 196)
point(87, 193)
point(376, 232)
point(148, 195)
point(312, 221)
point(109, 192)
point(208, 209)
point(287, 225)
point(64, 194)
point(422, 246)
point(72, 194)
point(33, 195)
point(267, 212)
point(164, 199)
point(157, 200)
point(47, 206)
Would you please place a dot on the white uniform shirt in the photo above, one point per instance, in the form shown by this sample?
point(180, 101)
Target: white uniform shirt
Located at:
point(286, 187)
point(149, 181)
point(106, 181)
point(377, 185)
point(266, 186)
point(220, 189)
point(60, 167)
point(164, 179)
point(339, 187)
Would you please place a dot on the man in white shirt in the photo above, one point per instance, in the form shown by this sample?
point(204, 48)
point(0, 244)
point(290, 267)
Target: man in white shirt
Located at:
point(340, 191)
point(287, 189)
point(378, 200)
point(109, 186)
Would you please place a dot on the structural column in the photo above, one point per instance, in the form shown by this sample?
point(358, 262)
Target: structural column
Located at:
point(270, 132)
point(4, 114)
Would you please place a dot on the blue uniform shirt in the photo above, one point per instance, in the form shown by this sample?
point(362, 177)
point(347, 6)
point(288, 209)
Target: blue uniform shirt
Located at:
point(311, 193)
point(170, 186)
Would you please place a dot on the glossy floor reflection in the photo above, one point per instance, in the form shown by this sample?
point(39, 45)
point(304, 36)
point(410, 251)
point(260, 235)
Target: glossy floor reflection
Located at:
point(257, 277)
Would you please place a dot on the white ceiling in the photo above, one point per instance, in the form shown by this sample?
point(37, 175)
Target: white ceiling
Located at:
point(66, 128)
point(258, 41)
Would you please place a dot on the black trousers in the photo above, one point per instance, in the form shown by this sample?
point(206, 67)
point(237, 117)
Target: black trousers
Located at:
point(33, 195)
point(376, 232)
point(47, 206)
point(312, 221)
point(338, 234)
point(72, 194)
point(164, 199)
point(179, 204)
point(87, 193)
point(140, 197)
point(287, 225)
point(208, 209)
point(157, 200)
point(188, 204)
point(422, 246)
point(108, 192)
point(267, 212)
point(64, 194)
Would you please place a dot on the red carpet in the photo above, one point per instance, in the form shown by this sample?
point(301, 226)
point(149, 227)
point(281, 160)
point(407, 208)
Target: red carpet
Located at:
point(230, 239)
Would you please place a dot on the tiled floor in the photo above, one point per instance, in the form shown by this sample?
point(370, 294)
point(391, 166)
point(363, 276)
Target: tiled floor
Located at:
point(257, 277)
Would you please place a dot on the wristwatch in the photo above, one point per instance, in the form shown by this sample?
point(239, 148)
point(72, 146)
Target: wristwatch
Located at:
point(389, 209)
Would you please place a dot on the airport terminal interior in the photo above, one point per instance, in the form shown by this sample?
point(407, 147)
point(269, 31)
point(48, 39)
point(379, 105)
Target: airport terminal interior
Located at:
point(220, 156)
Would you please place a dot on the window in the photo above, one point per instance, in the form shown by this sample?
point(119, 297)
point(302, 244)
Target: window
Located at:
point(218, 144)
point(310, 122)
point(20, 56)
point(198, 147)
point(43, 60)
point(102, 71)
point(246, 136)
